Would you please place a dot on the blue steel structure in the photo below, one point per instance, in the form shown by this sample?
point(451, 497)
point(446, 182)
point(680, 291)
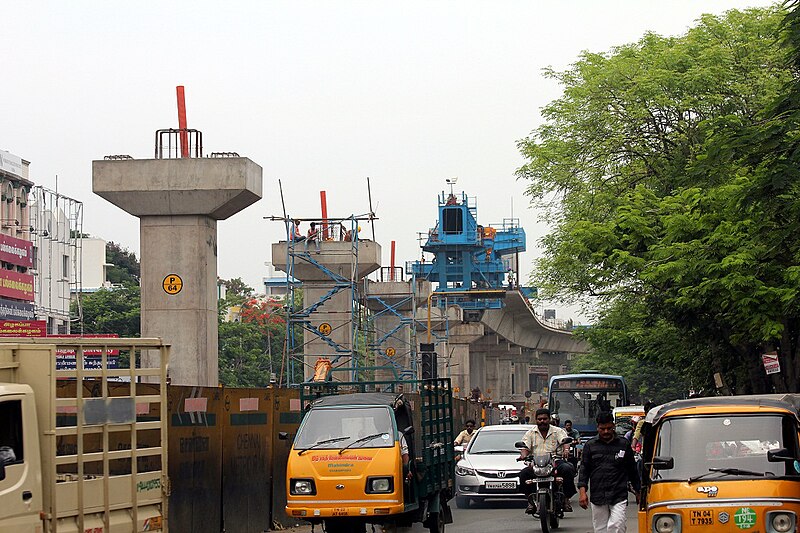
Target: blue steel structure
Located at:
point(468, 257)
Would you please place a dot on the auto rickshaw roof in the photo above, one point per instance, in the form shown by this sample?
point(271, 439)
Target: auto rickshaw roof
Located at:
point(789, 402)
point(358, 399)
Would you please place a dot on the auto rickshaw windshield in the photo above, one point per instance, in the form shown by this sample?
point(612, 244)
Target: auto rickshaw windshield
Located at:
point(698, 444)
point(344, 426)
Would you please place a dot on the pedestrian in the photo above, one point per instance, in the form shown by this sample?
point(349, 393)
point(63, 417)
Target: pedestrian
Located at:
point(545, 438)
point(607, 466)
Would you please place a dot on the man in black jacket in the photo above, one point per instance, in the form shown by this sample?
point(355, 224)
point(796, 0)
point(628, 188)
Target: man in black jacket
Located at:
point(607, 465)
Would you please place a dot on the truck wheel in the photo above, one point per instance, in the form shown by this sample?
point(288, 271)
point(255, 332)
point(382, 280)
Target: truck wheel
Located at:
point(462, 502)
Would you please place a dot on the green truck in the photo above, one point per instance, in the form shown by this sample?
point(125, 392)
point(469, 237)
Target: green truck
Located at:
point(373, 453)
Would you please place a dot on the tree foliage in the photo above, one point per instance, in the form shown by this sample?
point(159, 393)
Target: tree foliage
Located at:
point(111, 311)
point(668, 170)
point(126, 269)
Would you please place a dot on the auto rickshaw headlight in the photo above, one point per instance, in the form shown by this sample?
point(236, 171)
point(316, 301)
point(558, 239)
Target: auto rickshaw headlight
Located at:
point(666, 523)
point(302, 487)
point(380, 485)
point(780, 521)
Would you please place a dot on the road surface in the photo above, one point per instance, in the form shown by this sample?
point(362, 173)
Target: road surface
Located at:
point(507, 516)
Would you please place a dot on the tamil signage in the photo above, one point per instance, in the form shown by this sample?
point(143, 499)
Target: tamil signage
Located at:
point(771, 363)
point(92, 357)
point(11, 163)
point(16, 251)
point(11, 310)
point(23, 328)
point(16, 285)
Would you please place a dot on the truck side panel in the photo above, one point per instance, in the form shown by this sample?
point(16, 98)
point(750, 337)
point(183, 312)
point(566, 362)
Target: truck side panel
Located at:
point(102, 443)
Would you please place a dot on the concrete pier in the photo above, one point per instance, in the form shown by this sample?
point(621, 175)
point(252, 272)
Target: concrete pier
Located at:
point(178, 202)
point(328, 279)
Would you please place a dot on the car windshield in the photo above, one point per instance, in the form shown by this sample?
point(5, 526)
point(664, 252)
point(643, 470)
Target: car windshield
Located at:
point(698, 444)
point(320, 425)
point(583, 406)
point(486, 442)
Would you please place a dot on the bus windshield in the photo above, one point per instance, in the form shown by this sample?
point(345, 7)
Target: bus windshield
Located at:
point(582, 406)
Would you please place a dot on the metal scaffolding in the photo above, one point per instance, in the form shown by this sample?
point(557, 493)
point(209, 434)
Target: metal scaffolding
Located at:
point(57, 228)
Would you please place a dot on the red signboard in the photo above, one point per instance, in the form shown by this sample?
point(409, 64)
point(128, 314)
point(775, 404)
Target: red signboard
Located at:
point(16, 251)
point(16, 285)
point(771, 363)
point(23, 328)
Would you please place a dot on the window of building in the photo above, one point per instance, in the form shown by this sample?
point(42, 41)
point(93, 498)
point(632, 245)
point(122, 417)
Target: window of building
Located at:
point(65, 267)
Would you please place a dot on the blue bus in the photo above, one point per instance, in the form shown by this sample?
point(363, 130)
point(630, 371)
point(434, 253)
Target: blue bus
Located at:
point(579, 397)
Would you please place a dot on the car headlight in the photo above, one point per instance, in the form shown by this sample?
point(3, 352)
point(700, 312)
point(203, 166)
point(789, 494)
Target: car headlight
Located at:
point(464, 471)
point(781, 521)
point(302, 487)
point(380, 485)
point(666, 523)
point(542, 471)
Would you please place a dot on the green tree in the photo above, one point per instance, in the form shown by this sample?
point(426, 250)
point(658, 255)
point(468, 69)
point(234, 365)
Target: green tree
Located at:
point(111, 311)
point(242, 362)
point(126, 269)
point(653, 203)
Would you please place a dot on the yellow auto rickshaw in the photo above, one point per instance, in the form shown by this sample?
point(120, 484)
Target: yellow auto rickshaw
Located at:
point(722, 464)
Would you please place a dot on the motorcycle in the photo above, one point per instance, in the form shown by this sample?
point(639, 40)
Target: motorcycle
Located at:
point(548, 498)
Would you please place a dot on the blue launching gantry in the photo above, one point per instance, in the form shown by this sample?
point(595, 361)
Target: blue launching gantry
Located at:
point(470, 260)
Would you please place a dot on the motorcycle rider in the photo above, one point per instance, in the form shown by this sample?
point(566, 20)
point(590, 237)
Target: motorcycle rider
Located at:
point(544, 439)
point(576, 436)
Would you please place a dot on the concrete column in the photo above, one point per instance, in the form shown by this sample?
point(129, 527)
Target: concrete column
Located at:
point(314, 270)
point(399, 341)
point(504, 378)
point(458, 354)
point(188, 318)
point(178, 202)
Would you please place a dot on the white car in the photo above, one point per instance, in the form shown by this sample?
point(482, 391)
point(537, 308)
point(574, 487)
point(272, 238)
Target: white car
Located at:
point(489, 468)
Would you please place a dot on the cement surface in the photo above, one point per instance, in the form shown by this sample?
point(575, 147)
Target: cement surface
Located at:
point(216, 187)
point(338, 257)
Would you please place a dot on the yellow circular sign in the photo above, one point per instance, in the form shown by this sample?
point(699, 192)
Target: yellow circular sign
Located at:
point(390, 351)
point(172, 284)
point(325, 328)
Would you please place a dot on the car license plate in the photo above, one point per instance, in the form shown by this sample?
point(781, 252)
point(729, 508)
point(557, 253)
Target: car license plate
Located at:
point(701, 517)
point(501, 484)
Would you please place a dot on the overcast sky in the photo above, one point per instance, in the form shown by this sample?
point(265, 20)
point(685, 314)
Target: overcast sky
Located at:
point(322, 95)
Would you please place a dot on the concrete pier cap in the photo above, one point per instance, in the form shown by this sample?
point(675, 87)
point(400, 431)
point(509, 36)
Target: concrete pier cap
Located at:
point(213, 187)
point(178, 202)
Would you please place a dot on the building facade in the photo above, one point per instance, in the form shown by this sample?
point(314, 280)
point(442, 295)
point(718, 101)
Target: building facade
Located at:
point(40, 260)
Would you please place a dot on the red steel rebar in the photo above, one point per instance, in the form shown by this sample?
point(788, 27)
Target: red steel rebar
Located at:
point(184, 135)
